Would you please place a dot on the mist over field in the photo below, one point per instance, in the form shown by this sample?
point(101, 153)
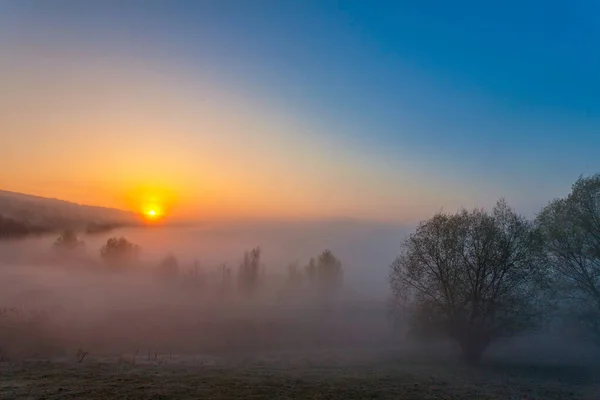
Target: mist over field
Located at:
point(367, 248)
point(479, 303)
point(299, 200)
point(186, 301)
point(90, 307)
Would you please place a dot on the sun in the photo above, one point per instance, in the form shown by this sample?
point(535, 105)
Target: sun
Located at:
point(152, 213)
point(152, 207)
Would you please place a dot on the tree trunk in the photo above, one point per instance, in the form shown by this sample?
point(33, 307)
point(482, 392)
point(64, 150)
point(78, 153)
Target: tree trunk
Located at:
point(473, 344)
point(472, 352)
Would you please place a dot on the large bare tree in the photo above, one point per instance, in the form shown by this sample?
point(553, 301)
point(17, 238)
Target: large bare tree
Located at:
point(473, 276)
point(571, 229)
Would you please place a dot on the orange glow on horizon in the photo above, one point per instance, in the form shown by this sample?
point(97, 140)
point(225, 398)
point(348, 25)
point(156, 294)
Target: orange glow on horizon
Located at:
point(135, 141)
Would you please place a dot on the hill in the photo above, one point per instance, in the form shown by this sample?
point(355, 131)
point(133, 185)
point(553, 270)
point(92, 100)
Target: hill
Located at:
point(22, 215)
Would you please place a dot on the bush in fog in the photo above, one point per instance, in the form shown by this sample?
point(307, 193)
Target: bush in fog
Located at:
point(119, 252)
point(68, 243)
point(473, 276)
point(571, 231)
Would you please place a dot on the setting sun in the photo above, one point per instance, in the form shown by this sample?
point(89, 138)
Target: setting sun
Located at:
point(152, 213)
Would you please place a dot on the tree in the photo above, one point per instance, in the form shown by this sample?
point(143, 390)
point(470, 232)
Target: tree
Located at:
point(67, 243)
point(571, 231)
point(249, 271)
point(329, 270)
point(472, 276)
point(119, 252)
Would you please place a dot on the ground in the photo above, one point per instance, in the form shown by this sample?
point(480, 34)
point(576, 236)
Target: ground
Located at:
point(332, 375)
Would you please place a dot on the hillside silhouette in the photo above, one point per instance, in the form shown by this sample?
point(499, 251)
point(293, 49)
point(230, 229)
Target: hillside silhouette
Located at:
point(23, 215)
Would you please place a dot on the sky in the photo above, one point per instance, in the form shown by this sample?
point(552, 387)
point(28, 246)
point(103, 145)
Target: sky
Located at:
point(299, 109)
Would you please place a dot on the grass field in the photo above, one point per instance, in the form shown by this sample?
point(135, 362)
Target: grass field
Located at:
point(331, 375)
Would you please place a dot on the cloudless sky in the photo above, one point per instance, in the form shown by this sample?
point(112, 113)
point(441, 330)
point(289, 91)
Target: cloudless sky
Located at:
point(366, 109)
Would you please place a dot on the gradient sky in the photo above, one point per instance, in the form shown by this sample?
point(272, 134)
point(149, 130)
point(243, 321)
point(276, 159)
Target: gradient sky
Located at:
point(299, 109)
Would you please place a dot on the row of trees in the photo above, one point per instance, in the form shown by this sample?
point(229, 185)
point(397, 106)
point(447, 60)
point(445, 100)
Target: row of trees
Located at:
point(324, 272)
point(118, 253)
point(478, 276)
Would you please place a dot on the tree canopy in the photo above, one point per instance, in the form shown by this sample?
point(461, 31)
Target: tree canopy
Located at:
point(329, 270)
point(68, 242)
point(473, 276)
point(571, 232)
point(118, 252)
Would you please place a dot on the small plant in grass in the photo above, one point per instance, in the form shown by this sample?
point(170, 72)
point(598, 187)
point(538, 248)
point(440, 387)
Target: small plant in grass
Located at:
point(81, 355)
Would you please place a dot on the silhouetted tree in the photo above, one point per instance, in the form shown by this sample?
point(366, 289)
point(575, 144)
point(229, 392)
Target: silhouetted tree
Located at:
point(119, 252)
point(329, 271)
point(571, 232)
point(249, 271)
point(473, 276)
point(68, 243)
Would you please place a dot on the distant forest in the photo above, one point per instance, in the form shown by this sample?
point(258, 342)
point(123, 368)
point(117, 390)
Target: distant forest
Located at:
point(11, 228)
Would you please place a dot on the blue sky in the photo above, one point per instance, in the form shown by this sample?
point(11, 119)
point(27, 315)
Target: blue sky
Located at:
point(493, 98)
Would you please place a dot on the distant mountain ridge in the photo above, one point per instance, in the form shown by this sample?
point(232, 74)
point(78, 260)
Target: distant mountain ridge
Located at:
point(24, 214)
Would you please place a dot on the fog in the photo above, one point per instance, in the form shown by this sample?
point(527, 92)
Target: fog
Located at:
point(365, 248)
point(54, 306)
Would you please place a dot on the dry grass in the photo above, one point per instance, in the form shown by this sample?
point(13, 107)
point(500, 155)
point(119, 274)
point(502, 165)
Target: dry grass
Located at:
point(331, 375)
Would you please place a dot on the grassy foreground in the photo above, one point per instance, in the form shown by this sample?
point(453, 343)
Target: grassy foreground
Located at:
point(334, 378)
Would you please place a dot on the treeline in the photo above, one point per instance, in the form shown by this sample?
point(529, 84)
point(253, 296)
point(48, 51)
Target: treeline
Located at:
point(478, 276)
point(323, 272)
point(11, 228)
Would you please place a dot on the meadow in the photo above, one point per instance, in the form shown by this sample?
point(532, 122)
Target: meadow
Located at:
point(323, 374)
